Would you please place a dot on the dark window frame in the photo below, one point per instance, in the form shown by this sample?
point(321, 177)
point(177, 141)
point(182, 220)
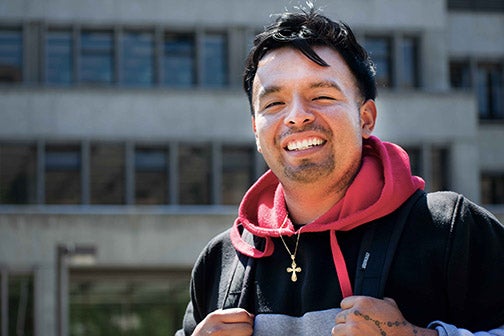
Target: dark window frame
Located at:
point(100, 49)
point(476, 5)
point(13, 72)
point(492, 187)
point(141, 47)
point(54, 159)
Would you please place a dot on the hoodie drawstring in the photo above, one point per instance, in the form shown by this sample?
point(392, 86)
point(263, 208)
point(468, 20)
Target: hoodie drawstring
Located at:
point(340, 265)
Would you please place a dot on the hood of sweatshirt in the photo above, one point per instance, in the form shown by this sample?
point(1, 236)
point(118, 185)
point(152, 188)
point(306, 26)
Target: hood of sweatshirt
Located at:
point(383, 183)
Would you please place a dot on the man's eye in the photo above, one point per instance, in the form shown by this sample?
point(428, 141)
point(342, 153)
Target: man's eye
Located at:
point(273, 104)
point(324, 98)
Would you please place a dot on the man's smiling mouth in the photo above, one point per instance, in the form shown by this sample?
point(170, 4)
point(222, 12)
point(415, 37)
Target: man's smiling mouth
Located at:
point(304, 144)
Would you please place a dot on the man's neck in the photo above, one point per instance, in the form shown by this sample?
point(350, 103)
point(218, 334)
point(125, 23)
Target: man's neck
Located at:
point(307, 203)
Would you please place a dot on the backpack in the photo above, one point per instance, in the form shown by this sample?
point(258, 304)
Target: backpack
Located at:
point(376, 253)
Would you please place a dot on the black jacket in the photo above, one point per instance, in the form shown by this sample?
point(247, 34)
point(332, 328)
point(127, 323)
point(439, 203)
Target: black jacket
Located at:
point(448, 266)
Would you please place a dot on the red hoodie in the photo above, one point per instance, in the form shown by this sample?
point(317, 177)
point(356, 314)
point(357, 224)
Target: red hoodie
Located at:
point(383, 183)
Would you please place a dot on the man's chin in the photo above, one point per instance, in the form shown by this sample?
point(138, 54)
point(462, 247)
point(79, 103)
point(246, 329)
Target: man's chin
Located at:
point(307, 173)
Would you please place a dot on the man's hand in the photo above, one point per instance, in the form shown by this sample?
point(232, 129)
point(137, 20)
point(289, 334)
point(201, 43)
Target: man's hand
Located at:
point(222, 322)
point(367, 316)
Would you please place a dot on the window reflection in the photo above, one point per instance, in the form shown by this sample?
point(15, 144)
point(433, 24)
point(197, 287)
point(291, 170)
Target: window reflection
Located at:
point(477, 5)
point(380, 50)
point(439, 169)
point(18, 174)
point(59, 56)
point(194, 174)
point(492, 188)
point(237, 174)
point(179, 60)
point(62, 174)
point(215, 60)
point(127, 302)
point(137, 63)
point(460, 75)
point(151, 175)
point(96, 58)
point(490, 91)
point(107, 174)
point(11, 55)
point(20, 305)
point(409, 71)
point(415, 156)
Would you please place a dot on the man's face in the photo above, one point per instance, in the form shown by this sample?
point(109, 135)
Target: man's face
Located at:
point(309, 120)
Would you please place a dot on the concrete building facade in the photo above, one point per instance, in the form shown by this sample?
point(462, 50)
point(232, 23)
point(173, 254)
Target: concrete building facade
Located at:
point(125, 139)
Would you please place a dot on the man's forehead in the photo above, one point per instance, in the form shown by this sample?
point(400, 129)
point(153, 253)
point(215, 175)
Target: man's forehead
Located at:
point(318, 49)
point(289, 60)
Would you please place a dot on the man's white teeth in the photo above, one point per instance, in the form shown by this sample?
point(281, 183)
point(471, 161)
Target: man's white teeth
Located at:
point(304, 144)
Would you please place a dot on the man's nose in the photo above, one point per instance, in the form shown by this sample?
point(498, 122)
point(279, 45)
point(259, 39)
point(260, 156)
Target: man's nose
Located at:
point(298, 114)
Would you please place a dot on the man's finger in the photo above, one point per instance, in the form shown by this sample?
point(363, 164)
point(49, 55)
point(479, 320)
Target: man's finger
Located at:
point(234, 315)
point(391, 301)
point(348, 302)
point(341, 317)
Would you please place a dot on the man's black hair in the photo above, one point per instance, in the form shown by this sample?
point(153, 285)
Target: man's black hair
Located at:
point(303, 31)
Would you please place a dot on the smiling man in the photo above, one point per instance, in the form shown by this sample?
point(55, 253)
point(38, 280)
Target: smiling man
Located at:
point(309, 121)
point(338, 237)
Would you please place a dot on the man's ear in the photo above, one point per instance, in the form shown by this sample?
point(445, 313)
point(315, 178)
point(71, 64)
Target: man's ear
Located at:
point(367, 118)
point(255, 134)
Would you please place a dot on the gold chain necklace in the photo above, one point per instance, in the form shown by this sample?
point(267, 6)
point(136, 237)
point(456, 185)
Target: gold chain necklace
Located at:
point(294, 268)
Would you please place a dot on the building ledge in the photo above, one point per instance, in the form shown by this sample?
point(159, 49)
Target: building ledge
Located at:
point(118, 209)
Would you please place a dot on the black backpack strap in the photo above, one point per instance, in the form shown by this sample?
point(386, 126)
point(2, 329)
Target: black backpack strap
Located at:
point(378, 248)
point(236, 294)
point(234, 285)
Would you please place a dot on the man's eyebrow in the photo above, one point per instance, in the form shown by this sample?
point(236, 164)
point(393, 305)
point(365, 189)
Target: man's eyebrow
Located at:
point(326, 84)
point(268, 90)
point(265, 91)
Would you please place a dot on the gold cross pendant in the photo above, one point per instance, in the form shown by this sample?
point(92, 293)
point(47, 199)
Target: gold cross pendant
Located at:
point(293, 269)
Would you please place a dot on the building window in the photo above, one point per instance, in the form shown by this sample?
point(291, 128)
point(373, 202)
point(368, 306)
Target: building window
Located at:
point(237, 174)
point(137, 63)
point(477, 5)
point(126, 302)
point(63, 174)
point(96, 57)
point(416, 162)
point(490, 91)
point(380, 50)
point(440, 160)
point(119, 56)
point(20, 303)
point(151, 175)
point(179, 60)
point(18, 166)
point(194, 167)
point(215, 72)
point(11, 55)
point(492, 188)
point(460, 75)
point(59, 57)
point(107, 174)
point(98, 173)
point(397, 60)
point(409, 66)
point(489, 86)
point(432, 164)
